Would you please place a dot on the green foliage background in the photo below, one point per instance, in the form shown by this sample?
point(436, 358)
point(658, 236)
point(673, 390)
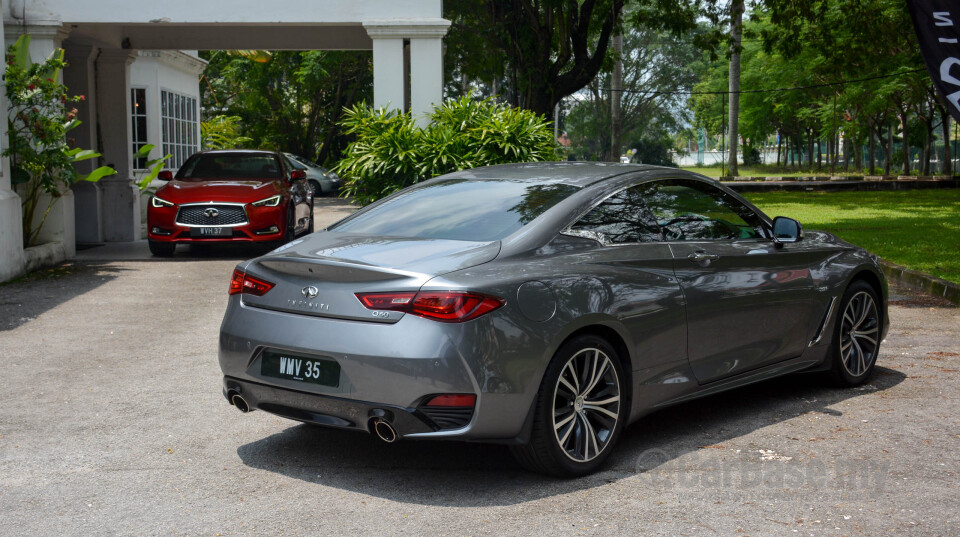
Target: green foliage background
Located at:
point(391, 152)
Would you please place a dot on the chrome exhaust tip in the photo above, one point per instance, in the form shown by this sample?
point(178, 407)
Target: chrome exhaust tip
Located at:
point(384, 430)
point(240, 403)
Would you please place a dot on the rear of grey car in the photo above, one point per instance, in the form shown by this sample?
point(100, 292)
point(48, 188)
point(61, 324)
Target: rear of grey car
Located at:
point(360, 329)
point(512, 304)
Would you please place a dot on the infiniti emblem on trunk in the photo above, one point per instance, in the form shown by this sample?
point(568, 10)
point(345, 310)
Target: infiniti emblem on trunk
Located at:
point(211, 212)
point(309, 292)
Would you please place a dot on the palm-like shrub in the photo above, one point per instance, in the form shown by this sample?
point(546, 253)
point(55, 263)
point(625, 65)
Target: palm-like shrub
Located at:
point(390, 152)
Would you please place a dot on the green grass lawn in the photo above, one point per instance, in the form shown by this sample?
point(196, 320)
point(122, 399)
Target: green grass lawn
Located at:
point(764, 170)
point(919, 229)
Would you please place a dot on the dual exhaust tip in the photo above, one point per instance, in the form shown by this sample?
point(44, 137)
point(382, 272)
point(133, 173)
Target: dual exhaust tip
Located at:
point(380, 427)
point(239, 402)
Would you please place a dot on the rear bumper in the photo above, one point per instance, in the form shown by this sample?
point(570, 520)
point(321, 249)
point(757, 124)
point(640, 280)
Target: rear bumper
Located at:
point(324, 409)
point(383, 366)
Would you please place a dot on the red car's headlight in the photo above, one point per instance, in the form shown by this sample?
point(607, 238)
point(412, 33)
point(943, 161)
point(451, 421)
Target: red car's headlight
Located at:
point(160, 202)
point(272, 201)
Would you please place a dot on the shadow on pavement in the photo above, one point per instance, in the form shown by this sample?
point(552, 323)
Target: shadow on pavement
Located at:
point(464, 474)
point(28, 297)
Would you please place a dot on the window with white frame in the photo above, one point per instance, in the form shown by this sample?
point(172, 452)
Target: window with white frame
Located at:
point(138, 115)
point(178, 113)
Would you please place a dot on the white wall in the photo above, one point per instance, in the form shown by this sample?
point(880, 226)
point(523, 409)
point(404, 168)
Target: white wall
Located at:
point(164, 70)
point(156, 70)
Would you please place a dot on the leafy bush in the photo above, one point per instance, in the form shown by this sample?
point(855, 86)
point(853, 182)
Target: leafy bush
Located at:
point(390, 152)
point(40, 114)
point(653, 150)
point(751, 155)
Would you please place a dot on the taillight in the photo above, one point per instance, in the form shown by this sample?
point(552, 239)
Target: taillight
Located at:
point(386, 301)
point(445, 306)
point(241, 282)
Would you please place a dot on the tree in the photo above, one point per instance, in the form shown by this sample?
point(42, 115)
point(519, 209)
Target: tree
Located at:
point(655, 66)
point(736, 27)
point(544, 49)
point(287, 100)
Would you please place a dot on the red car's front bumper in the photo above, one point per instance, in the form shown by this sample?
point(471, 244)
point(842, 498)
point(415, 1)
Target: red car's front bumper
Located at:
point(227, 222)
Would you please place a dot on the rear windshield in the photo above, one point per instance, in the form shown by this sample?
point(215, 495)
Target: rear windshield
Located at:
point(230, 166)
point(485, 210)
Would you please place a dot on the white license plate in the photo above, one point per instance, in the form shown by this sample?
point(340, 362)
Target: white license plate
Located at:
point(213, 231)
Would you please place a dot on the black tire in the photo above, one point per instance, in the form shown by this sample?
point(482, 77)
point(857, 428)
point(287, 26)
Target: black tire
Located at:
point(567, 452)
point(162, 249)
point(288, 233)
point(310, 228)
point(316, 188)
point(856, 336)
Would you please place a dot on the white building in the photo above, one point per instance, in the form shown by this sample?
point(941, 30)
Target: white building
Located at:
point(102, 40)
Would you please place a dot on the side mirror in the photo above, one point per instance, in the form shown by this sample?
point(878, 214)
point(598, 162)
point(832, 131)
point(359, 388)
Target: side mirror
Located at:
point(786, 230)
point(297, 175)
point(165, 175)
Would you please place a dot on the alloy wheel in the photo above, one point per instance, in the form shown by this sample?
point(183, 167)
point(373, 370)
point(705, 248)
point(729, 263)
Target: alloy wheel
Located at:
point(586, 405)
point(859, 330)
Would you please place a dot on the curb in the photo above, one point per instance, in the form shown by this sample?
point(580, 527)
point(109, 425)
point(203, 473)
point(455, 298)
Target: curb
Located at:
point(921, 281)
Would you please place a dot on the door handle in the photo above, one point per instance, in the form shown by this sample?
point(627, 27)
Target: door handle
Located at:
point(702, 257)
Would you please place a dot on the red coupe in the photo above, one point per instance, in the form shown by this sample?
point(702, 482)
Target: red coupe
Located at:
point(230, 196)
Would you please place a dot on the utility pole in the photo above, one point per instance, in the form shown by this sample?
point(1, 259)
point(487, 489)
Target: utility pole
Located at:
point(736, 26)
point(616, 91)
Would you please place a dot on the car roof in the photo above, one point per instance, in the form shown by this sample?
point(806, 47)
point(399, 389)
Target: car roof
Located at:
point(578, 174)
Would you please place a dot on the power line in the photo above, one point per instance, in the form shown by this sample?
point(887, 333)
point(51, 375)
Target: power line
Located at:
point(771, 90)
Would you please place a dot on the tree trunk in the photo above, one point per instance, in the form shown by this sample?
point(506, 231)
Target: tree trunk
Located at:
point(779, 144)
point(873, 153)
point(819, 154)
point(947, 167)
point(888, 161)
point(906, 143)
point(830, 151)
point(810, 149)
point(616, 91)
point(927, 145)
point(847, 142)
point(736, 26)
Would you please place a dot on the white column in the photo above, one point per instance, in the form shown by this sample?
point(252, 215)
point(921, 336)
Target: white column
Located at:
point(11, 232)
point(426, 62)
point(387, 67)
point(426, 74)
point(120, 196)
point(78, 76)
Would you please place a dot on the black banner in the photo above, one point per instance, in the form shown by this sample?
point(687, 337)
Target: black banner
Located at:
point(938, 29)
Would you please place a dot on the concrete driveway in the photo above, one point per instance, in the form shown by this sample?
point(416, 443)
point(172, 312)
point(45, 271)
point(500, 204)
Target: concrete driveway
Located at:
point(112, 423)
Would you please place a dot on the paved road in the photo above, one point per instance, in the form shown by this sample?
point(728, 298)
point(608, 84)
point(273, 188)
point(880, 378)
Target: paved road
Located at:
point(112, 423)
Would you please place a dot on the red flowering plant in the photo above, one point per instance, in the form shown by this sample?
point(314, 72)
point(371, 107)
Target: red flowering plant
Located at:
point(39, 116)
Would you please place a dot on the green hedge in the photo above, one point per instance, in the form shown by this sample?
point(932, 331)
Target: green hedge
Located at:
point(391, 152)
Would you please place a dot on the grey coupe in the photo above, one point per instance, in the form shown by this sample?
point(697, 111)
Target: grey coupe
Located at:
point(545, 306)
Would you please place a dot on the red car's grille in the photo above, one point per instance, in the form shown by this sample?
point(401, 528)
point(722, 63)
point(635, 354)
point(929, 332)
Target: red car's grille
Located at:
point(212, 215)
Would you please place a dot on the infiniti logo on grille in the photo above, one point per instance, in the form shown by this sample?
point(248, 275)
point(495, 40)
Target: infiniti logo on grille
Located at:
point(309, 292)
point(211, 212)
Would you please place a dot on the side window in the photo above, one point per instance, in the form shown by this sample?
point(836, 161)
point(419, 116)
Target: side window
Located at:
point(622, 218)
point(695, 211)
